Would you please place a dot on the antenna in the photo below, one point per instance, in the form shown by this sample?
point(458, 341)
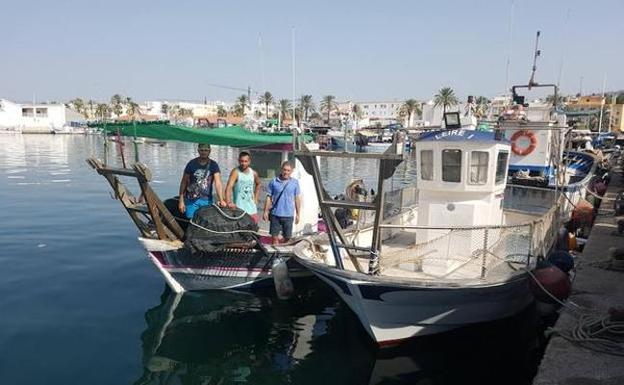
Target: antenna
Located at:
point(508, 66)
point(535, 56)
point(294, 84)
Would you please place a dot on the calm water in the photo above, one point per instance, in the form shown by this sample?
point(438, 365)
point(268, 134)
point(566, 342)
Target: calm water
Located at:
point(81, 304)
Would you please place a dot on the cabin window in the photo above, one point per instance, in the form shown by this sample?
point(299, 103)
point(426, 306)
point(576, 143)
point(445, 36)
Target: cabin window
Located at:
point(426, 164)
point(42, 112)
point(451, 165)
point(28, 112)
point(501, 166)
point(479, 167)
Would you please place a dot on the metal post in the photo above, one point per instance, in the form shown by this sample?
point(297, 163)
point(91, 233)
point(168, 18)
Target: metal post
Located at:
point(485, 250)
point(376, 243)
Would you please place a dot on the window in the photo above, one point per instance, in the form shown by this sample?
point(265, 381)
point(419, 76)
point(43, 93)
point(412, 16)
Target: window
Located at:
point(42, 112)
point(28, 112)
point(426, 164)
point(478, 167)
point(501, 166)
point(451, 165)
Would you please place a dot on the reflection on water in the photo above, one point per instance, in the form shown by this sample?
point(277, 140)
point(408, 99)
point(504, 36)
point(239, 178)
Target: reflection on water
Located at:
point(227, 338)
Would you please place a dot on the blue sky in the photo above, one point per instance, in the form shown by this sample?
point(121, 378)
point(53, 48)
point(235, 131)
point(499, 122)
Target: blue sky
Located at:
point(359, 50)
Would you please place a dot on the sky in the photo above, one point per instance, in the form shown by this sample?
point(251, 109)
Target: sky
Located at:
point(356, 50)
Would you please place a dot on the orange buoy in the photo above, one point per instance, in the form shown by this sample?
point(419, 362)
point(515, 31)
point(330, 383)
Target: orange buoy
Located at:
point(526, 150)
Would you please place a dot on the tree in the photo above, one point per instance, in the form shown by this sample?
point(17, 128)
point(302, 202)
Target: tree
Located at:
point(79, 105)
point(266, 99)
point(241, 104)
point(482, 105)
point(90, 111)
point(620, 99)
point(132, 108)
point(357, 111)
point(102, 111)
point(556, 102)
point(116, 104)
point(221, 112)
point(445, 98)
point(285, 108)
point(174, 112)
point(410, 108)
point(185, 113)
point(307, 105)
point(164, 109)
point(328, 104)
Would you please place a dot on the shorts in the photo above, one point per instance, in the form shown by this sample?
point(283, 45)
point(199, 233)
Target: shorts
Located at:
point(283, 224)
point(193, 205)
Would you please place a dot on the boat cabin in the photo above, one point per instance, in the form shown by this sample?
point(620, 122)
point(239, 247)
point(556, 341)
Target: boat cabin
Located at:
point(461, 178)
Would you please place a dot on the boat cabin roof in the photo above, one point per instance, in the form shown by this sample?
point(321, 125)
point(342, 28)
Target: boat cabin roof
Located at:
point(460, 135)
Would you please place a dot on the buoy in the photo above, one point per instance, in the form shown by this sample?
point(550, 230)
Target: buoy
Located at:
point(552, 280)
point(562, 260)
point(283, 284)
point(583, 214)
point(600, 188)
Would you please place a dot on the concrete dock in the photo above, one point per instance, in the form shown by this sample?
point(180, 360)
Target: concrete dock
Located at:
point(598, 287)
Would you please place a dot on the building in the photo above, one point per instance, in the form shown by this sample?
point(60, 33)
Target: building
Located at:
point(593, 103)
point(617, 118)
point(29, 117)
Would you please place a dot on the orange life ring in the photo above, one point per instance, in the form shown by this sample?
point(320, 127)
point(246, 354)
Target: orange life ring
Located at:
point(527, 150)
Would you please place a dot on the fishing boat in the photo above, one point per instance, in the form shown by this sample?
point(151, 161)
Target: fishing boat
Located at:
point(458, 254)
point(542, 156)
point(241, 259)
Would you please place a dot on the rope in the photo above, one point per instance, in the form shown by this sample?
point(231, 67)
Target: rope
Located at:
point(228, 216)
point(597, 333)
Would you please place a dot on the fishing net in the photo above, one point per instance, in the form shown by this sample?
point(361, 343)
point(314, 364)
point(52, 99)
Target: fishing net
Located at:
point(213, 228)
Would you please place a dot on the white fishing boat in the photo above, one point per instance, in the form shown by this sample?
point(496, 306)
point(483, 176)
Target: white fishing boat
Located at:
point(456, 255)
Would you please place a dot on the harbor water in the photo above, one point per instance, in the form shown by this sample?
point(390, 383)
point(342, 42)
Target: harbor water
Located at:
point(81, 304)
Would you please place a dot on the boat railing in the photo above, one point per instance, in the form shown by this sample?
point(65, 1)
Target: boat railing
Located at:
point(481, 253)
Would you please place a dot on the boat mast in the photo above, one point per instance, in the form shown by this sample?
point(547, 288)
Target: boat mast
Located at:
point(536, 54)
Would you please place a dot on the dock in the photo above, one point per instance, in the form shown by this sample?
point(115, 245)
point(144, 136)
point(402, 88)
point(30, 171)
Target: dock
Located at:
point(598, 286)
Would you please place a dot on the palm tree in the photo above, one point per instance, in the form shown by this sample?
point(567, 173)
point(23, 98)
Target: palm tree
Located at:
point(285, 108)
point(117, 104)
point(328, 103)
point(174, 112)
point(410, 108)
point(164, 109)
point(221, 112)
point(307, 105)
point(266, 99)
point(102, 111)
point(241, 103)
point(132, 108)
point(551, 99)
point(91, 111)
point(357, 111)
point(79, 105)
point(445, 98)
point(482, 104)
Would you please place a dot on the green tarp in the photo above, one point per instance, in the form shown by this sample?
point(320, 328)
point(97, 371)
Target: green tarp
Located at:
point(234, 136)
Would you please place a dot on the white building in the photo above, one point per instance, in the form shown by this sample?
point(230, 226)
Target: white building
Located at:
point(30, 117)
point(432, 115)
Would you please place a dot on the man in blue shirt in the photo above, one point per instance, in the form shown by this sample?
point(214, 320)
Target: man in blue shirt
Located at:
point(282, 203)
point(196, 184)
